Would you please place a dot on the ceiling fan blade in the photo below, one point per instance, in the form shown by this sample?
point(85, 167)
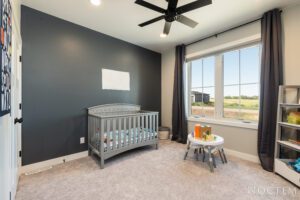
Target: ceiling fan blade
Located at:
point(186, 21)
point(167, 28)
point(172, 4)
point(192, 6)
point(150, 6)
point(152, 21)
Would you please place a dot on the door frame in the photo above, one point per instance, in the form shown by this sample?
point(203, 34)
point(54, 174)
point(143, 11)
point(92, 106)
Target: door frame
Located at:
point(16, 112)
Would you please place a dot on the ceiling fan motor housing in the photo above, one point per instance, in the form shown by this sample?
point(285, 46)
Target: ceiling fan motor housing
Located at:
point(170, 15)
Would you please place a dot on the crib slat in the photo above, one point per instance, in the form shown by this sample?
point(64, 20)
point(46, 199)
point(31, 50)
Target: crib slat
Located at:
point(154, 126)
point(102, 136)
point(100, 122)
point(108, 135)
point(134, 130)
point(150, 126)
point(129, 130)
point(119, 132)
point(153, 130)
point(156, 131)
point(97, 141)
point(143, 128)
point(114, 133)
point(124, 133)
point(147, 126)
point(139, 129)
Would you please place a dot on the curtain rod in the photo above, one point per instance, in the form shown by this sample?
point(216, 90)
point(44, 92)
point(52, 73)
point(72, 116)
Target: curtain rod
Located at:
point(233, 28)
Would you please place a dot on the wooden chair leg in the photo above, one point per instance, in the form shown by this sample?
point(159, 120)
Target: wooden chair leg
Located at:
point(221, 156)
point(210, 160)
point(224, 155)
point(89, 151)
point(187, 150)
point(214, 160)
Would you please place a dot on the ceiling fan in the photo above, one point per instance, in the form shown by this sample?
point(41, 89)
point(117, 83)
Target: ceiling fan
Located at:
point(173, 13)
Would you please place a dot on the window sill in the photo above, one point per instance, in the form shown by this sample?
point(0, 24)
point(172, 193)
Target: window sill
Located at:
point(224, 122)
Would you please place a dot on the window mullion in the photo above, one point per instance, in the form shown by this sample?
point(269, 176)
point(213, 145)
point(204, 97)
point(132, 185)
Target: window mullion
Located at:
point(189, 92)
point(202, 89)
point(219, 89)
point(239, 115)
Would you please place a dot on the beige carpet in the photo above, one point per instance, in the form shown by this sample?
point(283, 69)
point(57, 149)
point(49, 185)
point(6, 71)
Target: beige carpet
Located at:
point(155, 174)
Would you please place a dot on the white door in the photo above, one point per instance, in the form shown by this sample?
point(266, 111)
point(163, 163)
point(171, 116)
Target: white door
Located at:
point(16, 114)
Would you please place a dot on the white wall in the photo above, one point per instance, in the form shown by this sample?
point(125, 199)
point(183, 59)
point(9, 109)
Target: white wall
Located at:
point(16, 6)
point(238, 139)
point(291, 28)
point(5, 130)
point(167, 81)
point(246, 32)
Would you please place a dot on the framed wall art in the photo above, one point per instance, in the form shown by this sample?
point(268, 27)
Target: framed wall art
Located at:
point(115, 80)
point(5, 56)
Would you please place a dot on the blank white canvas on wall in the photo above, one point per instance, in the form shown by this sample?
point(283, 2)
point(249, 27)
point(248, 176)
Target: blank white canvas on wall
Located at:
point(115, 80)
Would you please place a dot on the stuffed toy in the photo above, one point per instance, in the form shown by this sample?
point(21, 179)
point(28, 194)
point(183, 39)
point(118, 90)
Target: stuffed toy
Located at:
point(296, 165)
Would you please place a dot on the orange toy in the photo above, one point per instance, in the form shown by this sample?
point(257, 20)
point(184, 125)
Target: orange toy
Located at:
point(197, 131)
point(200, 131)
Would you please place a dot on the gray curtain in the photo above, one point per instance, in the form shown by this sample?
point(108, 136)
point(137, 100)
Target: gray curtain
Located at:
point(179, 123)
point(271, 78)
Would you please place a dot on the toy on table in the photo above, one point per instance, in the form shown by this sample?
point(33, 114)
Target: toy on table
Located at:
point(203, 132)
point(294, 118)
point(296, 165)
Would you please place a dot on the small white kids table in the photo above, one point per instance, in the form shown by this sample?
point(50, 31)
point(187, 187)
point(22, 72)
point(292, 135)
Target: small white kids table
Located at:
point(209, 146)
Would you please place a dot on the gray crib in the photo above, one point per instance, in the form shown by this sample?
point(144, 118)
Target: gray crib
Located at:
point(116, 128)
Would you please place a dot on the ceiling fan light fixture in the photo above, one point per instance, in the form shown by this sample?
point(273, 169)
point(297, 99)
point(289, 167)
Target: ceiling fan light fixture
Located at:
point(95, 2)
point(163, 35)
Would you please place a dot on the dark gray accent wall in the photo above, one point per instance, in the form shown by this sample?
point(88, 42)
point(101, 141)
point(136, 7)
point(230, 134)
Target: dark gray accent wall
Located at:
point(62, 65)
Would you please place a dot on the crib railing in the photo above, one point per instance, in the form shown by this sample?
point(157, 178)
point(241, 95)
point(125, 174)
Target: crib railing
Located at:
point(109, 135)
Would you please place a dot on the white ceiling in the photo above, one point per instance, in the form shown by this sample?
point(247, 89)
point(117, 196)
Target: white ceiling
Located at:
point(120, 18)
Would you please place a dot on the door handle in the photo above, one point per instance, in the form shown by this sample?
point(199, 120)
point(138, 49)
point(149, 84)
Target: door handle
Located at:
point(19, 120)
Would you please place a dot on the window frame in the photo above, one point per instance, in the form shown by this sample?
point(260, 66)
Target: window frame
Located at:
point(202, 87)
point(219, 88)
point(240, 84)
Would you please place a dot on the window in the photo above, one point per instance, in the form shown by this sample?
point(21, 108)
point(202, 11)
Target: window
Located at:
point(203, 86)
point(226, 84)
point(241, 83)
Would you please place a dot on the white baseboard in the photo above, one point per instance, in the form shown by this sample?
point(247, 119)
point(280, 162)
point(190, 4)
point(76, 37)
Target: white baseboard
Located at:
point(244, 156)
point(49, 163)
